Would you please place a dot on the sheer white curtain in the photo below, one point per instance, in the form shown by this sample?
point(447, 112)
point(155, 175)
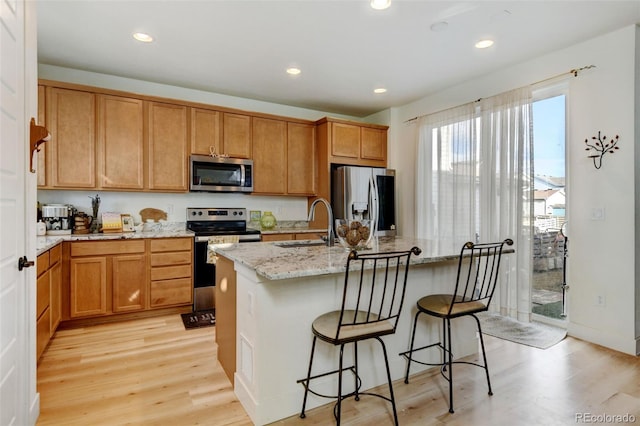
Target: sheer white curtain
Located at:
point(474, 184)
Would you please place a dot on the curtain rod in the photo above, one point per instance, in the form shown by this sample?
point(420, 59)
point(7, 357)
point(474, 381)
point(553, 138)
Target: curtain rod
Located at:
point(574, 71)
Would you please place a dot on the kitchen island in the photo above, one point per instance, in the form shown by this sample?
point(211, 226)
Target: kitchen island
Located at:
point(276, 290)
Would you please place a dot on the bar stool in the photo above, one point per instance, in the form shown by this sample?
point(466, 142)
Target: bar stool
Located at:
point(372, 298)
point(478, 266)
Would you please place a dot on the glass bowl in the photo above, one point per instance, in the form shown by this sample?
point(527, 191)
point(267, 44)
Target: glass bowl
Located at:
point(354, 234)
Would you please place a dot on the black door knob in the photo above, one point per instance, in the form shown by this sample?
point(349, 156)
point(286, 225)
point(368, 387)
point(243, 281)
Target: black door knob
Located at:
point(23, 262)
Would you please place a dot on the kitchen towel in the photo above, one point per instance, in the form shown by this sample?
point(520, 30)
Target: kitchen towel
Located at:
point(216, 240)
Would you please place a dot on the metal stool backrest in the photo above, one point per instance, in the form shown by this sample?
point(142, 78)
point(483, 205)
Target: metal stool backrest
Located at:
point(478, 268)
point(374, 288)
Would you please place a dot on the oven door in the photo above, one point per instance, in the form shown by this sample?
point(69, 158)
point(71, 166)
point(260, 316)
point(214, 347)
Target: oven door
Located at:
point(204, 277)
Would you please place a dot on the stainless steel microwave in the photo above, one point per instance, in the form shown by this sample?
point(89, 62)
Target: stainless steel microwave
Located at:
point(221, 174)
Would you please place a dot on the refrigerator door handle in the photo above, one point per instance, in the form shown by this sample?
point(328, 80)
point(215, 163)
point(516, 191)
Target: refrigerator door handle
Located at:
point(373, 195)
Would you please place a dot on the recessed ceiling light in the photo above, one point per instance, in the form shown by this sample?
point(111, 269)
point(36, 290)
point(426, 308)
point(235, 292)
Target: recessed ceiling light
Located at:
point(380, 90)
point(293, 71)
point(483, 44)
point(380, 4)
point(145, 38)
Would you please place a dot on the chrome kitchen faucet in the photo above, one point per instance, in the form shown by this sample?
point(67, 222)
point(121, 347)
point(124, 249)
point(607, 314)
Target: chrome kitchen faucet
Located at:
point(312, 210)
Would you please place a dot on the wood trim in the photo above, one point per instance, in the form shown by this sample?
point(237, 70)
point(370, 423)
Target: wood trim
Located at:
point(86, 322)
point(355, 123)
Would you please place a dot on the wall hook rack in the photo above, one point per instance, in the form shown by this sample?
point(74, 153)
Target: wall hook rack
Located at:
point(599, 146)
point(37, 136)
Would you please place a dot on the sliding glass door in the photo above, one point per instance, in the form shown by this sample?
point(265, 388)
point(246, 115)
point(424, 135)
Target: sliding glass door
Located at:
point(548, 301)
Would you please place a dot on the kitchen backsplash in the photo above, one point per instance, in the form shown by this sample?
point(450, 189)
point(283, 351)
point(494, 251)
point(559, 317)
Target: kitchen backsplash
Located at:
point(175, 205)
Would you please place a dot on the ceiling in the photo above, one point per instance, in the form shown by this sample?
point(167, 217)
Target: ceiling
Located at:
point(344, 48)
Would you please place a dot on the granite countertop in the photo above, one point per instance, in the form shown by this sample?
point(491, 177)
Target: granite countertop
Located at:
point(49, 241)
point(275, 262)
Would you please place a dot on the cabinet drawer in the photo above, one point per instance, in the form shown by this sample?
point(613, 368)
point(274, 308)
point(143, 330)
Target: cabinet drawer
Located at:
point(170, 272)
point(97, 248)
point(55, 254)
point(172, 292)
point(277, 237)
point(171, 258)
point(43, 293)
point(310, 235)
point(42, 263)
point(171, 244)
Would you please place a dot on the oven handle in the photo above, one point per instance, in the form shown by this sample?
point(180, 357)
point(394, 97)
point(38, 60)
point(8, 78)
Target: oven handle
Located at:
point(243, 239)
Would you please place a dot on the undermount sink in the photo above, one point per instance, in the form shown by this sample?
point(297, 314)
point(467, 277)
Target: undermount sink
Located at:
point(300, 243)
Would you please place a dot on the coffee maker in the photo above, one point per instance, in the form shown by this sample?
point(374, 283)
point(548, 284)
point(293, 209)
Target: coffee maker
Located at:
point(58, 218)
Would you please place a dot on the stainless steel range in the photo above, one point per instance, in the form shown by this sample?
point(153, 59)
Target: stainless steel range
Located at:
point(206, 222)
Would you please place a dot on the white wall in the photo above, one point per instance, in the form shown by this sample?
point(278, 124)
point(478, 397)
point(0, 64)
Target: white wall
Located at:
point(602, 253)
point(283, 208)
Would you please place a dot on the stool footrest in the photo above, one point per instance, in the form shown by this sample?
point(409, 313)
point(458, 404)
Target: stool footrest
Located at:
point(305, 382)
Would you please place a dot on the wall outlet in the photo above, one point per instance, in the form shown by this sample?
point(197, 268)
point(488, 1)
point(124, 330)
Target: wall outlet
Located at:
point(601, 300)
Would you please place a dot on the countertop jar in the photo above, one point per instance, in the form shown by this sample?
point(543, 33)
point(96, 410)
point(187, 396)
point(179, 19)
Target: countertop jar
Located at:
point(268, 220)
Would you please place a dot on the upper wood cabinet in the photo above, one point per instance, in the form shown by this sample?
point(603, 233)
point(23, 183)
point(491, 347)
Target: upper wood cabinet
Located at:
point(269, 156)
point(71, 154)
point(301, 159)
point(167, 145)
point(206, 131)
point(283, 157)
point(345, 140)
point(120, 143)
point(236, 135)
point(348, 143)
point(373, 144)
point(353, 143)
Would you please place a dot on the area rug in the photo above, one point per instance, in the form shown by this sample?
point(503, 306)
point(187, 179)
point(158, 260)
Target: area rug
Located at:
point(199, 319)
point(531, 334)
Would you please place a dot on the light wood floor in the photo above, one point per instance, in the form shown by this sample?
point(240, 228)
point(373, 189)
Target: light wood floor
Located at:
point(153, 372)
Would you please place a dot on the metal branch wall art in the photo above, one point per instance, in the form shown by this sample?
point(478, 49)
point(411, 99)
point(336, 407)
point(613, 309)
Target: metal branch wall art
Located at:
point(599, 146)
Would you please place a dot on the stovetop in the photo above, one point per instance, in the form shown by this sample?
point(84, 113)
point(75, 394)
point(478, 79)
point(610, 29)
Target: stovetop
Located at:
point(214, 214)
point(218, 221)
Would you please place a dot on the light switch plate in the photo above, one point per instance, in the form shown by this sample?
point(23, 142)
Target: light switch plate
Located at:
point(597, 213)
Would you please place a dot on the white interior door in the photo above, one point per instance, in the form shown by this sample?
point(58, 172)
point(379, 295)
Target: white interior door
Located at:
point(15, 306)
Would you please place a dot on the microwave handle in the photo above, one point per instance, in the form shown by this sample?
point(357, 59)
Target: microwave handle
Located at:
point(242, 175)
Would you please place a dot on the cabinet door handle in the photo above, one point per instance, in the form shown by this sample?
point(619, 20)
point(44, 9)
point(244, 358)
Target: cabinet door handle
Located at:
point(23, 262)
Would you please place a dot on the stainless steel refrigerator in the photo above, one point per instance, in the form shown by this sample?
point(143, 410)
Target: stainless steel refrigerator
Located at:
point(365, 193)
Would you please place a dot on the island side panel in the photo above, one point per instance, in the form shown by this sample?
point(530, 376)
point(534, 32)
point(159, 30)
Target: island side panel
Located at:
point(274, 337)
point(225, 299)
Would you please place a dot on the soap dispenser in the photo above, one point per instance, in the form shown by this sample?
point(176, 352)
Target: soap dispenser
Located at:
point(41, 228)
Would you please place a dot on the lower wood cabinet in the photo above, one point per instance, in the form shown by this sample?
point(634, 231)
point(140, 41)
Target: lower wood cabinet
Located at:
point(292, 236)
point(119, 276)
point(129, 276)
point(107, 277)
point(171, 272)
point(48, 297)
point(88, 286)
